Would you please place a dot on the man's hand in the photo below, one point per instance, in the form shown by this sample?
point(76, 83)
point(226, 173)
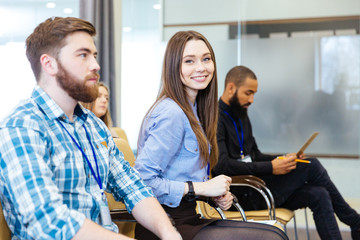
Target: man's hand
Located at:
point(284, 165)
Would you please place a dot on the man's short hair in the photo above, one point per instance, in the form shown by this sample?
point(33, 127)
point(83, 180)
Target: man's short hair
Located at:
point(49, 37)
point(238, 75)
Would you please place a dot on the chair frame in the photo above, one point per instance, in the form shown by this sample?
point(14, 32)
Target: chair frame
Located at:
point(259, 185)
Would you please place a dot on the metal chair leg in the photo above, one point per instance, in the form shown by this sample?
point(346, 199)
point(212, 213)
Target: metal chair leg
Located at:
point(307, 225)
point(295, 228)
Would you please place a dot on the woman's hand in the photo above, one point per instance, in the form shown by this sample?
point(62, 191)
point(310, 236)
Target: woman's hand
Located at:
point(225, 201)
point(217, 186)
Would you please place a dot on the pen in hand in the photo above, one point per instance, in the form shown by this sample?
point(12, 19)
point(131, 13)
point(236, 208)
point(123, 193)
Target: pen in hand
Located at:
point(297, 160)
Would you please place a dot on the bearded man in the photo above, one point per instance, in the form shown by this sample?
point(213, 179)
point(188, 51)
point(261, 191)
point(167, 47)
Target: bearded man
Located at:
point(293, 184)
point(57, 158)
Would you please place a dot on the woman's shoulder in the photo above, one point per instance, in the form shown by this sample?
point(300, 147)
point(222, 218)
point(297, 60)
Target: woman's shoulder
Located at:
point(166, 106)
point(164, 115)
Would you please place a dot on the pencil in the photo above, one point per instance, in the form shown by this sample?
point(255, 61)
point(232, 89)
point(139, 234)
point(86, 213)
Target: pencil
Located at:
point(298, 160)
point(302, 161)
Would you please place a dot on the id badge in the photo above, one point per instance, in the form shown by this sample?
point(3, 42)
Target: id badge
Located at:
point(105, 213)
point(246, 159)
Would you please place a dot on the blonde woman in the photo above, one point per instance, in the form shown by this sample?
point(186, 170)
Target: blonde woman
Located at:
point(100, 107)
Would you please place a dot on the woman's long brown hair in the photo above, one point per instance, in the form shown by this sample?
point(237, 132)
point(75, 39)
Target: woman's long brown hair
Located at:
point(207, 102)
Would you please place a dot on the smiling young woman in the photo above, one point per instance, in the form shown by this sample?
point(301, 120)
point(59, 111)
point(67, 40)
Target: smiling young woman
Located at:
point(177, 145)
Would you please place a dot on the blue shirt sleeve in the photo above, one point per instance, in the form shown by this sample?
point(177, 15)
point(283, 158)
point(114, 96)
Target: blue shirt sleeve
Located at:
point(162, 154)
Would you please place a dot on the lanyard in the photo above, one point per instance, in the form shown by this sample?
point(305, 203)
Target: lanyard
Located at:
point(208, 171)
point(241, 141)
point(97, 178)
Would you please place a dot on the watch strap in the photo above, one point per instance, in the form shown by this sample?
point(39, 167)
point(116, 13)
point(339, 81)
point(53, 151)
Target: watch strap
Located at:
point(190, 196)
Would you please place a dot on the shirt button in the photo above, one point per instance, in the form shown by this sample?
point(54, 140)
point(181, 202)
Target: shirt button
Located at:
point(171, 204)
point(63, 117)
point(196, 149)
point(97, 146)
point(84, 149)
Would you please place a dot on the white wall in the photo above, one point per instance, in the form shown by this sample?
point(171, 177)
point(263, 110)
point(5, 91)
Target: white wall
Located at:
point(210, 11)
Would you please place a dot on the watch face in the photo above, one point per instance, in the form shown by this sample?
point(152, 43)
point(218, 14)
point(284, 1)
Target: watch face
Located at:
point(190, 197)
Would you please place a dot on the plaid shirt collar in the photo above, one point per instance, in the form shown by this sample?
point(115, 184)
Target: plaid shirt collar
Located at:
point(53, 111)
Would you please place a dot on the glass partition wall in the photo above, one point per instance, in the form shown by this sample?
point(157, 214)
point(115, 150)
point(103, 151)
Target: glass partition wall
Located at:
point(306, 58)
point(141, 59)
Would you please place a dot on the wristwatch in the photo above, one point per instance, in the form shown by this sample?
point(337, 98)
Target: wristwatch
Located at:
point(190, 196)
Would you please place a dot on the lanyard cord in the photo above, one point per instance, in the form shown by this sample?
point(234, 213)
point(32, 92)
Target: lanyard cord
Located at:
point(97, 178)
point(241, 141)
point(208, 171)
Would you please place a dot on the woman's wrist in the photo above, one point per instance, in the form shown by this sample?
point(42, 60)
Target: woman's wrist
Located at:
point(199, 188)
point(186, 188)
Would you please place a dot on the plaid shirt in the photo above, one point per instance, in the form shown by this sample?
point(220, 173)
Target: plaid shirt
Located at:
point(46, 186)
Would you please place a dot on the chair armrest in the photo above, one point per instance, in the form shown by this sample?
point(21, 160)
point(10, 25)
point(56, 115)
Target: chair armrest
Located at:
point(245, 178)
point(259, 185)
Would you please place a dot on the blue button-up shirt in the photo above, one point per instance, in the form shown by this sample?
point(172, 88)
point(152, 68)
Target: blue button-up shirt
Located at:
point(168, 152)
point(46, 186)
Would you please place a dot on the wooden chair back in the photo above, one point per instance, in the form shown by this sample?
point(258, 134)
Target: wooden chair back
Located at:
point(4, 229)
point(120, 132)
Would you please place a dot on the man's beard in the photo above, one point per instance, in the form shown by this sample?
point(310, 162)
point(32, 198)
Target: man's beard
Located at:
point(80, 91)
point(238, 110)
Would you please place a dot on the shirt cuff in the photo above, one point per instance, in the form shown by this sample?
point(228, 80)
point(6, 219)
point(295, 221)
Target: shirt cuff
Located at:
point(264, 168)
point(176, 191)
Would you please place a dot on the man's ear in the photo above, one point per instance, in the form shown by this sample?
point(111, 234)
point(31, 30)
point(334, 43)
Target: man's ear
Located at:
point(49, 64)
point(231, 88)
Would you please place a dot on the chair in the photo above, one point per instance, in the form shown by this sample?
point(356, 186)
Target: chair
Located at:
point(281, 215)
point(4, 229)
point(120, 132)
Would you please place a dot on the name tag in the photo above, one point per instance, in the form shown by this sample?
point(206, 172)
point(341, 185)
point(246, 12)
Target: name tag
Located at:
point(246, 159)
point(106, 221)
